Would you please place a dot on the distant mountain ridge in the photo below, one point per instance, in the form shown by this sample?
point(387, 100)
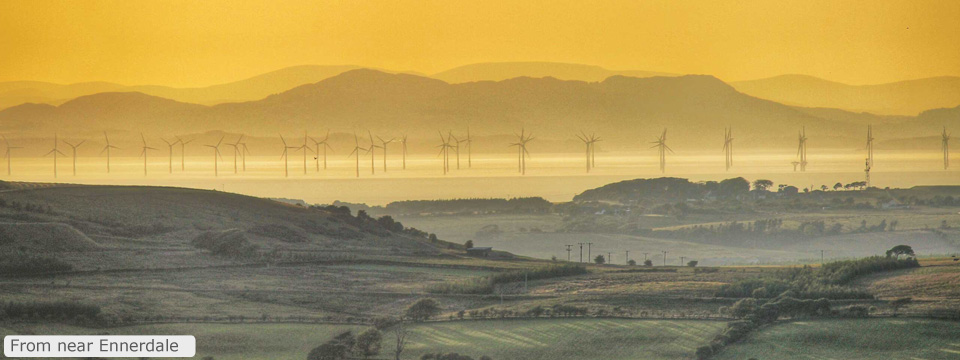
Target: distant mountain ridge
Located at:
point(499, 71)
point(627, 111)
point(899, 98)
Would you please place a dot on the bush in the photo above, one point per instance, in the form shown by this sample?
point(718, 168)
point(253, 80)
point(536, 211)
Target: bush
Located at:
point(423, 309)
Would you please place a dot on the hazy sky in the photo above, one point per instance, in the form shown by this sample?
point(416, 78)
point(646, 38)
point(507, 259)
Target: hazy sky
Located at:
point(196, 43)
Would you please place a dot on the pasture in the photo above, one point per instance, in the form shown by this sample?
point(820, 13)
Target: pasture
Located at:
point(586, 339)
point(851, 339)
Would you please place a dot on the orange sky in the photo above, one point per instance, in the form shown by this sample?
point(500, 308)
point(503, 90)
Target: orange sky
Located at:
point(196, 43)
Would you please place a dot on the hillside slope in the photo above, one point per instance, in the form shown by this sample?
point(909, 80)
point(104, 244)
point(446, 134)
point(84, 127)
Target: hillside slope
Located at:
point(900, 98)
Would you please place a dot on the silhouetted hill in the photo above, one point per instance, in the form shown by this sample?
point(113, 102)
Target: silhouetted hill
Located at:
point(255, 88)
point(625, 111)
point(899, 98)
point(508, 70)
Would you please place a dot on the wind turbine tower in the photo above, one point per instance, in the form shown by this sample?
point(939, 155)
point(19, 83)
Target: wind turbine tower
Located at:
point(870, 145)
point(55, 152)
point(456, 148)
point(285, 156)
point(802, 149)
point(728, 147)
point(444, 151)
point(356, 150)
point(373, 151)
point(170, 146)
point(216, 156)
point(318, 144)
point(469, 142)
point(384, 147)
point(662, 148)
point(522, 152)
point(74, 147)
point(143, 152)
point(304, 148)
point(8, 154)
point(107, 150)
point(945, 144)
point(238, 152)
point(183, 145)
point(403, 150)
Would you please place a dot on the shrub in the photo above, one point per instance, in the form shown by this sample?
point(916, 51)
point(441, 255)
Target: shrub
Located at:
point(423, 309)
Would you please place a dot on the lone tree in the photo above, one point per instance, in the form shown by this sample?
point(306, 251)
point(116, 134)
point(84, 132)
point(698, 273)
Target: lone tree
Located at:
point(837, 186)
point(632, 262)
point(468, 244)
point(762, 184)
point(401, 332)
point(648, 262)
point(423, 309)
point(692, 263)
point(599, 259)
point(899, 250)
point(900, 303)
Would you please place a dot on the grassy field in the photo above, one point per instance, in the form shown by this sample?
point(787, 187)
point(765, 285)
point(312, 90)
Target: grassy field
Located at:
point(222, 341)
point(851, 339)
point(587, 339)
point(606, 339)
point(547, 243)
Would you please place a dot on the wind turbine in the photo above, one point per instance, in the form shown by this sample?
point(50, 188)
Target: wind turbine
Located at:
point(469, 141)
point(728, 147)
point(285, 156)
point(456, 148)
point(237, 149)
point(372, 151)
point(74, 147)
point(318, 144)
point(403, 147)
point(945, 144)
point(445, 151)
point(216, 155)
point(183, 155)
point(586, 142)
point(522, 152)
point(662, 148)
point(170, 146)
point(243, 155)
point(143, 152)
point(356, 150)
point(55, 152)
point(870, 145)
point(593, 149)
point(107, 150)
point(304, 148)
point(8, 154)
point(384, 147)
point(802, 148)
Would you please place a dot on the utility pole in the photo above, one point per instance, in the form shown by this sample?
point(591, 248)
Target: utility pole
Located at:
point(645, 257)
point(581, 252)
point(609, 258)
point(681, 260)
point(568, 252)
point(627, 259)
point(589, 254)
point(664, 258)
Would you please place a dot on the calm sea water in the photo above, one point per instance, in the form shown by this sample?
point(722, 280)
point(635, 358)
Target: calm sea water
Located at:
point(556, 177)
